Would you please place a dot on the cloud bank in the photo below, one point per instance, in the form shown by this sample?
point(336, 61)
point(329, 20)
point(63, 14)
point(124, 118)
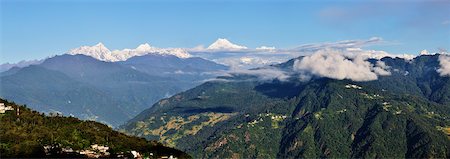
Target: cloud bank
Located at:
point(444, 62)
point(235, 55)
point(339, 65)
point(329, 63)
point(340, 44)
point(262, 74)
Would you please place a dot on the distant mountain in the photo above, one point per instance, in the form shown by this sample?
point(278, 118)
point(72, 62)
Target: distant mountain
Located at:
point(90, 70)
point(52, 91)
point(193, 69)
point(102, 53)
point(110, 92)
point(404, 115)
point(224, 44)
point(6, 66)
point(25, 133)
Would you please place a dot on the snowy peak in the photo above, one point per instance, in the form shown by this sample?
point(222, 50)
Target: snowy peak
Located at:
point(100, 45)
point(144, 47)
point(224, 44)
point(100, 52)
point(96, 49)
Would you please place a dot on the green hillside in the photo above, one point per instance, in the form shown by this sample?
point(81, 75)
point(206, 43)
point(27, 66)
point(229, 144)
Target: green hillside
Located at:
point(391, 117)
point(26, 133)
point(107, 92)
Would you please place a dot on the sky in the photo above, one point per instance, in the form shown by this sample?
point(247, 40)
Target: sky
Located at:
point(32, 29)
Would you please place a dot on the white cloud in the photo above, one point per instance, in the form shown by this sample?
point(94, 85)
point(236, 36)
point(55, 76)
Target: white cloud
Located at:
point(352, 47)
point(266, 48)
point(356, 44)
point(248, 61)
point(263, 74)
point(381, 69)
point(339, 65)
point(251, 58)
point(376, 54)
point(444, 62)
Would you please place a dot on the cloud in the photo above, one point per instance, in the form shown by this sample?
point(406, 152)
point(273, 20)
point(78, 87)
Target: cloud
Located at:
point(265, 55)
point(381, 69)
point(248, 61)
point(262, 74)
point(376, 54)
point(340, 44)
point(336, 64)
point(352, 48)
point(444, 62)
point(268, 48)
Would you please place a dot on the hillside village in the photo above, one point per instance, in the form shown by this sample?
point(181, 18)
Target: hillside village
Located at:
point(26, 133)
point(4, 108)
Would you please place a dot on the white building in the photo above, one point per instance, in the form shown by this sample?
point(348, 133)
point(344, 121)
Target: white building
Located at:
point(4, 108)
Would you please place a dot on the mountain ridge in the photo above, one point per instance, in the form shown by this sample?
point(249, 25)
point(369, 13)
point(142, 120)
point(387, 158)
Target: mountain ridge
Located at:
point(101, 52)
point(322, 117)
point(63, 83)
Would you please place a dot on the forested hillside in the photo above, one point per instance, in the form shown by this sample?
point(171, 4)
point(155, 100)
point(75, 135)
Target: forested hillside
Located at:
point(107, 92)
point(27, 133)
point(405, 115)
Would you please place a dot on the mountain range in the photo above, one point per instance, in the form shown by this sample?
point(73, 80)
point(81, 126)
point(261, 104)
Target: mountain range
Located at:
point(110, 92)
point(400, 109)
point(333, 103)
point(102, 53)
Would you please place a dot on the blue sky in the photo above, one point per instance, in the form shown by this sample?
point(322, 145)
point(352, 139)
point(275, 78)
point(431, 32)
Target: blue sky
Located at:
point(37, 29)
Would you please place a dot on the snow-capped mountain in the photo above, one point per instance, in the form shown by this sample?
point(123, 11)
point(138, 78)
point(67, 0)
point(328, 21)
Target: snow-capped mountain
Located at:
point(100, 52)
point(224, 44)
